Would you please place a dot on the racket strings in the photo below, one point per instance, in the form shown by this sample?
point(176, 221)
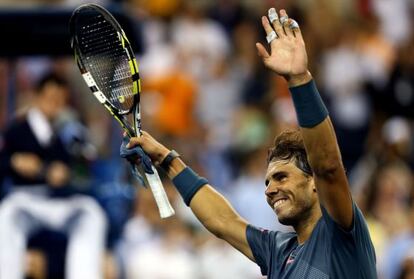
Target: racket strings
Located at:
point(107, 60)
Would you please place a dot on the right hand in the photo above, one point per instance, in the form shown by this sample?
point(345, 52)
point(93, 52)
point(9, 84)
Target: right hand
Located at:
point(26, 164)
point(287, 55)
point(153, 148)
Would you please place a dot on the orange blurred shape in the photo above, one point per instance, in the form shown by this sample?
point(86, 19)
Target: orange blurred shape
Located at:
point(175, 113)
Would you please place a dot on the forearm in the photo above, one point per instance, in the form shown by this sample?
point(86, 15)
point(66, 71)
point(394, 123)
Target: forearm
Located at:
point(208, 205)
point(215, 212)
point(317, 130)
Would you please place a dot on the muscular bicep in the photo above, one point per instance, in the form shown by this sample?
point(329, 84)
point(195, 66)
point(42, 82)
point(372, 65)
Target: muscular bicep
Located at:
point(329, 174)
point(235, 235)
point(219, 217)
point(335, 196)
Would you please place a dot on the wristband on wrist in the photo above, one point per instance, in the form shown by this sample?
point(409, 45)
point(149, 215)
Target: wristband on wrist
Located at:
point(188, 183)
point(310, 109)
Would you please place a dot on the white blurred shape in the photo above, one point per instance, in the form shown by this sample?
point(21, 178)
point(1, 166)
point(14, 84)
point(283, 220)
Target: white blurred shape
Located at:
point(396, 129)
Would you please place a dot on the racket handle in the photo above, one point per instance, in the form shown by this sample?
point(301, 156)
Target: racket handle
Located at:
point(158, 191)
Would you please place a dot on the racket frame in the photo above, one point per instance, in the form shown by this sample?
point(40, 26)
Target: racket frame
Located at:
point(152, 180)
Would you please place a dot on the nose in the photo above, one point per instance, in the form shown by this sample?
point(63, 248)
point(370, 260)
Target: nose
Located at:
point(271, 190)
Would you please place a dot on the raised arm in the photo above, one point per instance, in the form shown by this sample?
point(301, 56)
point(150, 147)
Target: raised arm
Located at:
point(288, 58)
point(209, 206)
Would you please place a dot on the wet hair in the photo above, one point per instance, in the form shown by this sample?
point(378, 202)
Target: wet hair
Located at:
point(50, 77)
point(289, 146)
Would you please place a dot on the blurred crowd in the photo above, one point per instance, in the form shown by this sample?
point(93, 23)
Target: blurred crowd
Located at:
point(207, 95)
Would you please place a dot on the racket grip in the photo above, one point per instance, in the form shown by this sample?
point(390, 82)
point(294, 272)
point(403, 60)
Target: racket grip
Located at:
point(158, 191)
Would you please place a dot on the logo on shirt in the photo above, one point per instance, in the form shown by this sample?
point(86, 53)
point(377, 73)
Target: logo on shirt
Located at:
point(292, 256)
point(290, 260)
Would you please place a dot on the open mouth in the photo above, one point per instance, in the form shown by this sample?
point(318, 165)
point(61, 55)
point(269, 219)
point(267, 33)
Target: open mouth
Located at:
point(278, 203)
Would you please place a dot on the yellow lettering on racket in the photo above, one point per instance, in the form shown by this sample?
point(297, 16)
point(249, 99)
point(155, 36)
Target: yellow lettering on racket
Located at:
point(138, 81)
point(131, 67)
point(121, 99)
point(135, 84)
point(135, 64)
point(135, 89)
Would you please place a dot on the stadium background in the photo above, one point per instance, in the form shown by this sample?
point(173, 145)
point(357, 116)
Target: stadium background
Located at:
point(206, 94)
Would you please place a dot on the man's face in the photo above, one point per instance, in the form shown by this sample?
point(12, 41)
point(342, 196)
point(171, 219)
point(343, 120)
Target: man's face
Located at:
point(52, 99)
point(289, 192)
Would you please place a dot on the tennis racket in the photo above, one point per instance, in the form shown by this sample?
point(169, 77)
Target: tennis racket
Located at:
point(109, 68)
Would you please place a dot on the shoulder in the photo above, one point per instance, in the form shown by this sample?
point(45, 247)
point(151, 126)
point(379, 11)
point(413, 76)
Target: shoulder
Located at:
point(266, 240)
point(269, 246)
point(353, 246)
point(358, 220)
point(357, 237)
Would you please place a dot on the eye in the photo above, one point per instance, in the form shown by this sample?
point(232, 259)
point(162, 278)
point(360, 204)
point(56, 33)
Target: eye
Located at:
point(280, 177)
point(267, 182)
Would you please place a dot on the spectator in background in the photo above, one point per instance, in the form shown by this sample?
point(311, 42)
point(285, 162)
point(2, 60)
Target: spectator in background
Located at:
point(390, 145)
point(395, 18)
point(37, 164)
point(396, 97)
point(407, 271)
point(227, 262)
point(174, 93)
point(399, 254)
point(386, 205)
point(148, 241)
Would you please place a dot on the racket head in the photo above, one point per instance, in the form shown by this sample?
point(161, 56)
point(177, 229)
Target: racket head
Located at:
point(105, 58)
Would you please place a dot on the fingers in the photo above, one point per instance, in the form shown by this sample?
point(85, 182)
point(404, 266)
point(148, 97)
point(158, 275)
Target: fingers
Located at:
point(140, 140)
point(286, 21)
point(282, 25)
point(294, 26)
point(283, 17)
point(274, 18)
point(135, 141)
point(266, 25)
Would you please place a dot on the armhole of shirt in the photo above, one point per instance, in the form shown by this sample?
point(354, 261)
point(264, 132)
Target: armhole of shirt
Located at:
point(332, 223)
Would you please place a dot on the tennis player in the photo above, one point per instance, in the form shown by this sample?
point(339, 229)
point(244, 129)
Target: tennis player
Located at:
point(305, 183)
